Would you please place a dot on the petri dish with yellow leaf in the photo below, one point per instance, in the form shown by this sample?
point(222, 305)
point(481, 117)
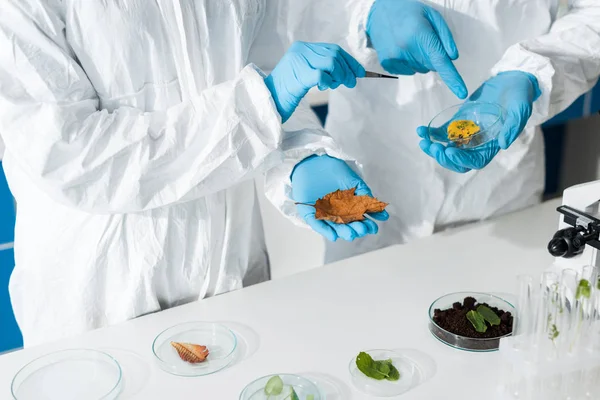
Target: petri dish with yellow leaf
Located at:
point(468, 125)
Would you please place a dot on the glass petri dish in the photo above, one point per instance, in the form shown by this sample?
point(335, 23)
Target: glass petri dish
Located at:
point(302, 386)
point(220, 341)
point(385, 388)
point(488, 116)
point(69, 375)
point(463, 342)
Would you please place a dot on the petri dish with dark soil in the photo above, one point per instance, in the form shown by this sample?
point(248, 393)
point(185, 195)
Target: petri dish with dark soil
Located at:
point(449, 324)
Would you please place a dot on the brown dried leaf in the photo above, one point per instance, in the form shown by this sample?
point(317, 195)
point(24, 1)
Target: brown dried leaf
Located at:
point(343, 207)
point(192, 353)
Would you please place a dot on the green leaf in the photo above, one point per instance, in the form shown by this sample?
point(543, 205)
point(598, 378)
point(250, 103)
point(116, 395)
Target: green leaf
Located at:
point(370, 368)
point(394, 374)
point(477, 321)
point(488, 315)
point(294, 395)
point(274, 386)
point(379, 370)
point(310, 397)
point(383, 367)
point(584, 289)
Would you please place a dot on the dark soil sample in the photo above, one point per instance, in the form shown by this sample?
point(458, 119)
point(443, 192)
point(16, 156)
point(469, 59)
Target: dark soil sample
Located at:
point(455, 320)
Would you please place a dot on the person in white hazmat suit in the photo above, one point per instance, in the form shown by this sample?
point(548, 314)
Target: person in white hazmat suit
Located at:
point(132, 131)
point(521, 54)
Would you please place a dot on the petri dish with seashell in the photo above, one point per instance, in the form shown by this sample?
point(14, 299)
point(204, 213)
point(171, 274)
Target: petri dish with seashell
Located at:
point(194, 348)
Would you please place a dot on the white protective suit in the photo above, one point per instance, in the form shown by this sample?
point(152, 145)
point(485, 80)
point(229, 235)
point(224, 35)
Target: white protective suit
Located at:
point(376, 122)
point(132, 130)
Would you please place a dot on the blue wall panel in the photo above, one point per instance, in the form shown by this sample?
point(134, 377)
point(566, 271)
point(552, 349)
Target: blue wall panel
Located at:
point(583, 106)
point(7, 211)
point(10, 336)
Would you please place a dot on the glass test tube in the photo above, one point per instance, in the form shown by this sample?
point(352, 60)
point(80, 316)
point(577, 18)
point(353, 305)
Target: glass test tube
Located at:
point(524, 321)
point(586, 297)
point(592, 334)
point(542, 346)
point(567, 316)
point(546, 308)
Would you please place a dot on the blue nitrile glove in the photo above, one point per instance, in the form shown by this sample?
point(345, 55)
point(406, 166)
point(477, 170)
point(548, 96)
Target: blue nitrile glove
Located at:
point(306, 65)
point(316, 176)
point(515, 91)
point(411, 37)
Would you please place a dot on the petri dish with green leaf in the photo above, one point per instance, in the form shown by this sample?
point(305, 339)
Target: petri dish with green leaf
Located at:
point(383, 373)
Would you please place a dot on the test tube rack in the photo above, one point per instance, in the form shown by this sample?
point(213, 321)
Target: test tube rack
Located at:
point(554, 352)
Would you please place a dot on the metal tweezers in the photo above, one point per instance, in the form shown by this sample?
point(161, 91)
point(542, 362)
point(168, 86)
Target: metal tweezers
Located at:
point(370, 74)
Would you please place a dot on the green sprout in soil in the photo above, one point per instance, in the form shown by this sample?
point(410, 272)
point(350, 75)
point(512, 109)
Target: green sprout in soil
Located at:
point(479, 317)
point(378, 370)
point(477, 321)
point(488, 315)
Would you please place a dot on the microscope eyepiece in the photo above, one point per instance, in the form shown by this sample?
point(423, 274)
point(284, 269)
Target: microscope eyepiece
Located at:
point(567, 243)
point(584, 230)
point(558, 247)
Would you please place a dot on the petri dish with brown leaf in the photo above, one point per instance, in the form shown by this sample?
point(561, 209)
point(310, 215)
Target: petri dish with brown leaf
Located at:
point(195, 348)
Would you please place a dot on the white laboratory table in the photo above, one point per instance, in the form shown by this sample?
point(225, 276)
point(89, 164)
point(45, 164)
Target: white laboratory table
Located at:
point(315, 322)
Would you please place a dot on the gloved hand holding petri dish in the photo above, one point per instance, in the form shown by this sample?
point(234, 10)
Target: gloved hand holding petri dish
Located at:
point(468, 136)
point(467, 125)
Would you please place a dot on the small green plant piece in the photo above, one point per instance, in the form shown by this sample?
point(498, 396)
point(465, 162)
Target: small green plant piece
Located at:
point(553, 334)
point(383, 367)
point(294, 395)
point(584, 289)
point(366, 365)
point(477, 321)
point(598, 284)
point(274, 386)
point(394, 374)
point(488, 315)
point(310, 397)
point(378, 370)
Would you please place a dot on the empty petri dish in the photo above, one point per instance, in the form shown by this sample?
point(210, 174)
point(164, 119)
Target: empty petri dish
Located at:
point(69, 375)
point(385, 388)
point(220, 341)
point(464, 342)
point(303, 388)
point(488, 117)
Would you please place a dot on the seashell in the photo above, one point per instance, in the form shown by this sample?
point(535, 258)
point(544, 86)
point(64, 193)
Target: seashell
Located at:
point(192, 353)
